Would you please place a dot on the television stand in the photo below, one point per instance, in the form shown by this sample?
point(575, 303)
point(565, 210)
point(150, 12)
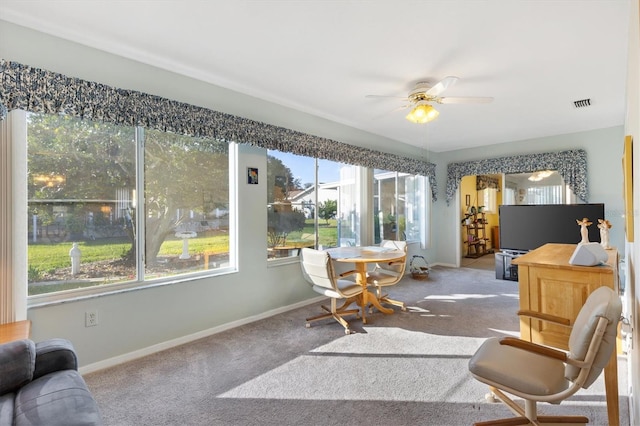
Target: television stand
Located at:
point(504, 269)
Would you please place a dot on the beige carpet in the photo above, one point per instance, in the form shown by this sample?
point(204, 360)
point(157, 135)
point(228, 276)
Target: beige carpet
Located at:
point(408, 368)
point(486, 262)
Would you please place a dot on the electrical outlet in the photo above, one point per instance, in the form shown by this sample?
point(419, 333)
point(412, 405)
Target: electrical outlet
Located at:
point(90, 318)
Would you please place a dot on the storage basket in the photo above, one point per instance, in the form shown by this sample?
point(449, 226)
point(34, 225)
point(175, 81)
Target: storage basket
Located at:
point(419, 268)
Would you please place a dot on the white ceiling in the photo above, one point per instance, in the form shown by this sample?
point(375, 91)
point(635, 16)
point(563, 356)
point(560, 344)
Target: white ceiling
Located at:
point(534, 57)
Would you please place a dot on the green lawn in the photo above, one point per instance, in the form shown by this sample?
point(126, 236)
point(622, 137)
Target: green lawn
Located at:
point(48, 257)
point(327, 232)
point(44, 257)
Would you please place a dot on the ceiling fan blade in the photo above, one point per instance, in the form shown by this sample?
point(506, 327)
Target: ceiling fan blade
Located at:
point(442, 85)
point(393, 111)
point(385, 97)
point(400, 108)
point(467, 100)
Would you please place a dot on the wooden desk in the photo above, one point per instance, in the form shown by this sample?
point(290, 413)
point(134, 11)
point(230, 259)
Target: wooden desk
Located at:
point(15, 331)
point(549, 284)
point(361, 256)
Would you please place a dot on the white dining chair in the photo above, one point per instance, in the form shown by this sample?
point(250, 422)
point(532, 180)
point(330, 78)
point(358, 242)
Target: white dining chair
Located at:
point(386, 274)
point(317, 269)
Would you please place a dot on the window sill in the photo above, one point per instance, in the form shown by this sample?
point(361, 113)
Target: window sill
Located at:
point(58, 298)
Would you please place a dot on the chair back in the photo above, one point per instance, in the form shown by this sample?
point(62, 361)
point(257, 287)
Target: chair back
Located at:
point(591, 338)
point(393, 268)
point(317, 268)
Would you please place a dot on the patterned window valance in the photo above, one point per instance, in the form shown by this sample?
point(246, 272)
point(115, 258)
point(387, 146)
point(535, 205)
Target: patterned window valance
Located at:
point(484, 182)
point(37, 90)
point(571, 165)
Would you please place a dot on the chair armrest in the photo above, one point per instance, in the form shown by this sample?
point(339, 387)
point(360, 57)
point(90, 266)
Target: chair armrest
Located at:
point(17, 359)
point(347, 273)
point(54, 355)
point(545, 317)
point(532, 347)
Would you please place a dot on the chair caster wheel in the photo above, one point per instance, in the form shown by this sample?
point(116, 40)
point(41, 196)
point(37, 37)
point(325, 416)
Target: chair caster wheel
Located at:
point(347, 331)
point(403, 309)
point(490, 397)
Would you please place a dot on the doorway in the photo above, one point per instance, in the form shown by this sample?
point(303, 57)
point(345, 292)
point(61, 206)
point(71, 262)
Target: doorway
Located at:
point(480, 197)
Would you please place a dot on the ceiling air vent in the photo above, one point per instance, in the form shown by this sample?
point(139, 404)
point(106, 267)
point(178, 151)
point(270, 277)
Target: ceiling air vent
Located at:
point(583, 103)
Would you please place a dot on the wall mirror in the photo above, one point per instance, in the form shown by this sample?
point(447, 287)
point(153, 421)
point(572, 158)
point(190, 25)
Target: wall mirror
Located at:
point(540, 187)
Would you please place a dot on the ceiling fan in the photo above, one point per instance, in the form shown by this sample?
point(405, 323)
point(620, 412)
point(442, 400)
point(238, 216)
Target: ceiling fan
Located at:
point(423, 95)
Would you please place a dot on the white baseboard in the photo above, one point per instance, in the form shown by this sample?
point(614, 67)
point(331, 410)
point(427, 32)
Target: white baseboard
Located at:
point(446, 265)
point(120, 359)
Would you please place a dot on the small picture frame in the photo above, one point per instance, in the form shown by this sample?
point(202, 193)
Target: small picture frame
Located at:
point(467, 200)
point(252, 175)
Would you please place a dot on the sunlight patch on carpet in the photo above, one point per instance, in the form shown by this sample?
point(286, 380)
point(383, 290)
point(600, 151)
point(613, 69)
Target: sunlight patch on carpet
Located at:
point(383, 364)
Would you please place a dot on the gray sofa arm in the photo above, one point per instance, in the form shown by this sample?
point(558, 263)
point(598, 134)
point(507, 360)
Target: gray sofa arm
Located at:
point(54, 355)
point(17, 361)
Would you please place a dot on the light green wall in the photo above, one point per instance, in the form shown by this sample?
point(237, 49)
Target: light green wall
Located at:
point(604, 156)
point(131, 321)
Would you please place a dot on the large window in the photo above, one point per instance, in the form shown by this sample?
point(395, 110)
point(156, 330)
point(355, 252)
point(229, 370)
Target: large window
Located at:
point(186, 188)
point(312, 200)
point(311, 203)
point(400, 206)
point(95, 189)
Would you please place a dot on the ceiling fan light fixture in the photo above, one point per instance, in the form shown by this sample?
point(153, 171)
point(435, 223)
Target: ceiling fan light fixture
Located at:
point(422, 113)
point(538, 176)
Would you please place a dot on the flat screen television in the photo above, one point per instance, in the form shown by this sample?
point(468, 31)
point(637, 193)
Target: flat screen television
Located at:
point(527, 227)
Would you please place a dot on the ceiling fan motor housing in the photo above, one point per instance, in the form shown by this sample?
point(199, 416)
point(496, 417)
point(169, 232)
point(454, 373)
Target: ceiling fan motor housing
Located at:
point(419, 93)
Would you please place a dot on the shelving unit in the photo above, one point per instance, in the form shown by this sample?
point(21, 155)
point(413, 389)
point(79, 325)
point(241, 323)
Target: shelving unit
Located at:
point(476, 237)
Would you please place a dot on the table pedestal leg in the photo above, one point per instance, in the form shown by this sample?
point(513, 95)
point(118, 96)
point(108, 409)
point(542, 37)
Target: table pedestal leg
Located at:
point(367, 296)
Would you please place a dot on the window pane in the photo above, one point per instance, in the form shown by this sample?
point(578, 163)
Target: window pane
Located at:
point(301, 210)
point(550, 194)
point(343, 183)
point(81, 180)
point(400, 207)
point(389, 206)
point(187, 204)
point(291, 204)
point(490, 200)
point(416, 209)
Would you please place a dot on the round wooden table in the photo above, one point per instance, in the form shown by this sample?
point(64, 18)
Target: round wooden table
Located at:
point(360, 257)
